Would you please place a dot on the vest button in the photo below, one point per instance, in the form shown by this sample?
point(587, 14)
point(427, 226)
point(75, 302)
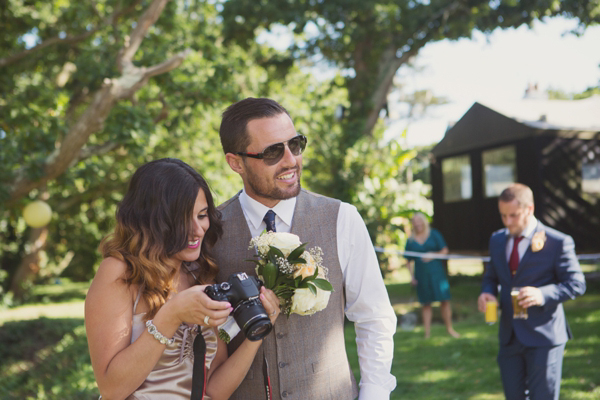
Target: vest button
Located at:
point(280, 335)
point(282, 364)
point(284, 394)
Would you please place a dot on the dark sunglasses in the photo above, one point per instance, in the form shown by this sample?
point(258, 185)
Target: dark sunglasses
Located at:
point(273, 153)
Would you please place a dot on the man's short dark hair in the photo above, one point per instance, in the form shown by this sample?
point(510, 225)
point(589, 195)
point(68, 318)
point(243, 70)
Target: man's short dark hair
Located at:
point(517, 191)
point(233, 133)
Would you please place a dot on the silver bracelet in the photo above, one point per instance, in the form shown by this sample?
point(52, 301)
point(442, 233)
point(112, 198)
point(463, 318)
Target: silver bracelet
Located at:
point(157, 335)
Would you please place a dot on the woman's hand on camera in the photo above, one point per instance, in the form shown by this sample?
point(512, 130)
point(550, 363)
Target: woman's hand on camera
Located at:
point(193, 306)
point(270, 302)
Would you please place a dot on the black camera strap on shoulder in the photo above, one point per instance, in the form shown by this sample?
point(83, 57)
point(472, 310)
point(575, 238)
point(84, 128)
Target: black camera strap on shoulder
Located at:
point(199, 370)
point(267, 378)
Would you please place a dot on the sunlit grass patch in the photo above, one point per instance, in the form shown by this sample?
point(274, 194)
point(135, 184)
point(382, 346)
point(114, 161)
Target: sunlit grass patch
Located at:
point(47, 357)
point(53, 310)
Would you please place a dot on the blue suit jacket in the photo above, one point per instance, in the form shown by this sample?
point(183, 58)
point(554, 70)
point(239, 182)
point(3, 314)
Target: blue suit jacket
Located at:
point(554, 270)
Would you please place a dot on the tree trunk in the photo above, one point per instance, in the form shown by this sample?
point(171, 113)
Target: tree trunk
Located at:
point(30, 263)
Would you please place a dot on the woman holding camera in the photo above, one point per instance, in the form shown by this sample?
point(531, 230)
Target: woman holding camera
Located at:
point(146, 303)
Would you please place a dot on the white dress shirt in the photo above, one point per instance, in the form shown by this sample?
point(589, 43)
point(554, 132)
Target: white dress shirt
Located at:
point(524, 243)
point(367, 301)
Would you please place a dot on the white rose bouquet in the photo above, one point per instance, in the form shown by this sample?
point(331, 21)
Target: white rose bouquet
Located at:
point(295, 274)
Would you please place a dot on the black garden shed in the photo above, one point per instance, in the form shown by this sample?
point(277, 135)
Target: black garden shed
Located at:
point(553, 146)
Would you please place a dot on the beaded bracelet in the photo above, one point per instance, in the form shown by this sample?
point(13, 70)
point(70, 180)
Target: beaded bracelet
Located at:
point(157, 335)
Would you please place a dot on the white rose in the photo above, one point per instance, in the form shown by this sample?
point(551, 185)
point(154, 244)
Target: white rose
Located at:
point(322, 299)
point(303, 301)
point(286, 242)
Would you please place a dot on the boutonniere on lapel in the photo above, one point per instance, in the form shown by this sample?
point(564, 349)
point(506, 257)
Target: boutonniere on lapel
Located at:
point(538, 240)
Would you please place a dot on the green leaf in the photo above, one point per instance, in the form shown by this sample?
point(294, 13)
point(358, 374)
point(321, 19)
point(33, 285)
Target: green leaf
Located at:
point(297, 252)
point(303, 284)
point(224, 336)
point(314, 276)
point(273, 253)
point(323, 284)
point(269, 272)
point(312, 288)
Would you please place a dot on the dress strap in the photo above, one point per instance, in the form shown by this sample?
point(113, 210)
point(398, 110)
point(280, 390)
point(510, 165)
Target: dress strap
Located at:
point(137, 299)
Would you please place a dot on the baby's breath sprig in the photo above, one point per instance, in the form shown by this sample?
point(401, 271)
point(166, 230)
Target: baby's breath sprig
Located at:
point(284, 265)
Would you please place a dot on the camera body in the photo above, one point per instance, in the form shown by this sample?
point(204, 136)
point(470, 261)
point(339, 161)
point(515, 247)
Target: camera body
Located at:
point(243, 292)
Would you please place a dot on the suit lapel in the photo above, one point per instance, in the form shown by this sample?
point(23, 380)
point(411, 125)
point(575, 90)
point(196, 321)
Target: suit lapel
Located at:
point(504, 269)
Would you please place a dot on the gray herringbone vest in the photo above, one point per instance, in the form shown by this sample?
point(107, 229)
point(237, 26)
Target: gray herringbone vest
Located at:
point(306, 354)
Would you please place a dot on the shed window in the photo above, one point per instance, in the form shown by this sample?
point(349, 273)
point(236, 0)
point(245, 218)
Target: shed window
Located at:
point(499, 170)
point(590, 182)
point(457, 178)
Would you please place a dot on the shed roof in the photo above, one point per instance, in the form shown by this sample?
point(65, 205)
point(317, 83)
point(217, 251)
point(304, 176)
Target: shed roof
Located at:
point(494, 124)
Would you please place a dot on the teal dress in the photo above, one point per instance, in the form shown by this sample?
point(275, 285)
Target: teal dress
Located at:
point(432, 282)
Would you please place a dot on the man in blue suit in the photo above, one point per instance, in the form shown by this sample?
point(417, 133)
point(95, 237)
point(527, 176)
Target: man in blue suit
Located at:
point(543, 264)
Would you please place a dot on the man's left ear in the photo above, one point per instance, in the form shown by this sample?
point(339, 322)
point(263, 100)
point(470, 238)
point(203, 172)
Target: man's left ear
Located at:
point(235, 162)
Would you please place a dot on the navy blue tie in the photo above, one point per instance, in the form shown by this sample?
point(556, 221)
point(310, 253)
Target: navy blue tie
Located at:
point(270, 221)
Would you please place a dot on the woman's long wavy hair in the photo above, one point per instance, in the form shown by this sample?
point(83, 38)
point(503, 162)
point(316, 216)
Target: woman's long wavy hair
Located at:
point(154, 223)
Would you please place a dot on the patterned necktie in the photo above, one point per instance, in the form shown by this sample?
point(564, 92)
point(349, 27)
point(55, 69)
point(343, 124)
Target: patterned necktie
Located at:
point(513, 263)
point(270, 221)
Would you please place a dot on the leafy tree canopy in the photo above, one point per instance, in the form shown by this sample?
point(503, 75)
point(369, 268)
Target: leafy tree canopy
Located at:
point(91, 90)
point(370, 40)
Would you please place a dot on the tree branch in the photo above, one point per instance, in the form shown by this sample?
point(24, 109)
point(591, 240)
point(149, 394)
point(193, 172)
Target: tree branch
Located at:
point(133, 78)
point(143, 24)
point(70, 149)
point(97, 150)
point(390, 63)
point(164, 111)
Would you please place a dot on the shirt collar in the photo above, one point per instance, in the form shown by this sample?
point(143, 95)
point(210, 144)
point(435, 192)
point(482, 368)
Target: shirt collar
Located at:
point(255, 211)
point(529, 229)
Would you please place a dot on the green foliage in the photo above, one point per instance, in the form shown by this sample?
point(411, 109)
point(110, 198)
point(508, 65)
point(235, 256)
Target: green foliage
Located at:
point(556, 94)
point(45, 359)
point(589, 92)
point(174, 115)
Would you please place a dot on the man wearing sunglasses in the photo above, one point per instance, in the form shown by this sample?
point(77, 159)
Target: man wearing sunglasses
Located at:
point(305, 356)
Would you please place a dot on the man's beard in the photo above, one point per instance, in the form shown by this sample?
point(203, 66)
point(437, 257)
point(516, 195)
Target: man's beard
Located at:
point(274, 193)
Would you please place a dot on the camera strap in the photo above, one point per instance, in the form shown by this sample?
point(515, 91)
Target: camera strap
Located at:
point(267, 378)
point(199, 370)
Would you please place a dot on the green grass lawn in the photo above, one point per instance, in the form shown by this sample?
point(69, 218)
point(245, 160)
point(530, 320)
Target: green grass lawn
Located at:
point(44, 355)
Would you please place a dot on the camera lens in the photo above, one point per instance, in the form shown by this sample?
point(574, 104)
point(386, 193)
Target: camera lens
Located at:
point(252, 319)
point(259, 330)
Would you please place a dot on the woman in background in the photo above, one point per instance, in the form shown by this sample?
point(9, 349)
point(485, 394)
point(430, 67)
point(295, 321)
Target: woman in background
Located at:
point(427, 274)
point(147, 303)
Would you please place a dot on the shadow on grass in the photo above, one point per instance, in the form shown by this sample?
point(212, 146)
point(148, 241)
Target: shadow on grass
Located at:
point(45, 359)
point(464, 290)
point(21, 340)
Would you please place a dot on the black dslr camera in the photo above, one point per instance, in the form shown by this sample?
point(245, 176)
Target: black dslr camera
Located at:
point(243, 292)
